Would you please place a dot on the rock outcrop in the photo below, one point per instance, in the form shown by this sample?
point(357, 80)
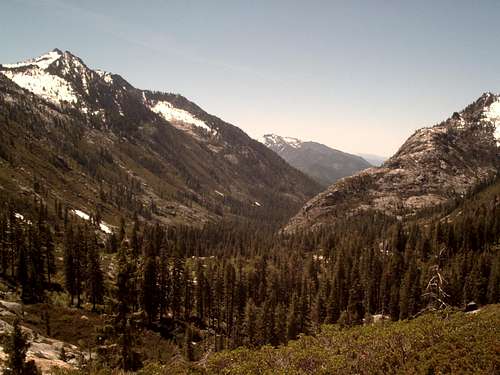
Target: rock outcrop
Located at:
point(434, 165)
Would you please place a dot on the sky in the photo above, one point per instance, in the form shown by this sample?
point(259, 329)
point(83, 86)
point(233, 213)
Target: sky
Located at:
point(359, 76)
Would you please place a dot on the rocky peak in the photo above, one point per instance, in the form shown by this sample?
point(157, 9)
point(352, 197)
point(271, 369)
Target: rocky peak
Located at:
point(43, 61)
point(434, 165)
point(56, 76)
point(278, 143)
point(62, 78)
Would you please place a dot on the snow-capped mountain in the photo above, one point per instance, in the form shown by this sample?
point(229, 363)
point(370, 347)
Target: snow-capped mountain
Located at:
point(63, 79)
point(36, 76)
point(278, 143)
point(102, 142)
point(322, 163)
point(434, 165)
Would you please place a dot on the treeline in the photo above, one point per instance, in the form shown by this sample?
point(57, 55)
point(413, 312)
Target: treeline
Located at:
point(231, 284)
point(254, 295)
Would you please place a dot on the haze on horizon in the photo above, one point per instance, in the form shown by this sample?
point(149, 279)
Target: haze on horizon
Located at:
point(359, 76)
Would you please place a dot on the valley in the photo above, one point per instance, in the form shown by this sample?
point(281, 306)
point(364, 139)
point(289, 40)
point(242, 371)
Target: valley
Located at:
point(141, 234)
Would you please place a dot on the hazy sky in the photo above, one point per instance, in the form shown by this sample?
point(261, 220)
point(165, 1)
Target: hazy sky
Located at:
point(360, 76)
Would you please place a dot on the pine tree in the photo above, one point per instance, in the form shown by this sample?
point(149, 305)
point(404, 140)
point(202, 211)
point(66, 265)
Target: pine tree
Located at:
point(69, 264)
point(318, 311)
point(200, 289)
point(280, 324)
point(80, 249)
point(49, 254)
point(95, 277)
point(15, 346)
point(250, 324)
point(265, 324)
point(493, 292)
point(149, 295)
point(22, 273)
point(122, 324)
point(135, 240)
point(409, 292)
point(355, 308)
point(332, 308)
point(292, 321)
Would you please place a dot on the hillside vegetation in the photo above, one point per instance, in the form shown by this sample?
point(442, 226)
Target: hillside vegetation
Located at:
point(436, 343)
point(445, 342)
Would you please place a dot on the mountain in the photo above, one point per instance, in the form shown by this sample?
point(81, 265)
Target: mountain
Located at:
point(89, 140)
point(432, 167)
point(322, 163)
point(375, 160)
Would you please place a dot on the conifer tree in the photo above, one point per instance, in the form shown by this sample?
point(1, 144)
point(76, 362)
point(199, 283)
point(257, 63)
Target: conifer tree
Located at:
point(49, 254)
point(122, 324)
point(149, 295)
point(332, 308)
point(15, 346)
point(22, 273)
point(200, 288)
point(250, 324)
point(69, 264)
point(409, 292)
point(280, 325)
point(265, 324)
point(355, 308)
point(493, 292)
point(95, 277)
point(177, 289)
point(292, 321)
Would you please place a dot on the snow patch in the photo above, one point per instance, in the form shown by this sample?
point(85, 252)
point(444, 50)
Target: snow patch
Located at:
point(41, 62)
point(493, 114)
point(293, 142)
point(20, 217)
point(102, 226)
point(41, 83)
point(105, 228)
point(106, 76)
point(81, 214)
point(175, 115)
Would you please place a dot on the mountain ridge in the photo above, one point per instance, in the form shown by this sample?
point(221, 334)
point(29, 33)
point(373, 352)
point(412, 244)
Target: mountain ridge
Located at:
point(170, 153)
point(434, 165)
point(324, 164)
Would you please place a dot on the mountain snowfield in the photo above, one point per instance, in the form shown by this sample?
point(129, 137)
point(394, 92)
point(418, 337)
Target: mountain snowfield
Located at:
point(180, 118)
point(33, 75)
point(42, 62)
point(42, 76)
point(492, 114)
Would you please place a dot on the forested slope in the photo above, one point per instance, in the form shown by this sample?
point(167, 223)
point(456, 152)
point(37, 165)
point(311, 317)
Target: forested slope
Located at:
point(227, 285)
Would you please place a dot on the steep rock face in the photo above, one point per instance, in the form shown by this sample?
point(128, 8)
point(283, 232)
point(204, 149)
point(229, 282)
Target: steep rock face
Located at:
point(432, 166)
point(90, 139)
point(322, 163)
